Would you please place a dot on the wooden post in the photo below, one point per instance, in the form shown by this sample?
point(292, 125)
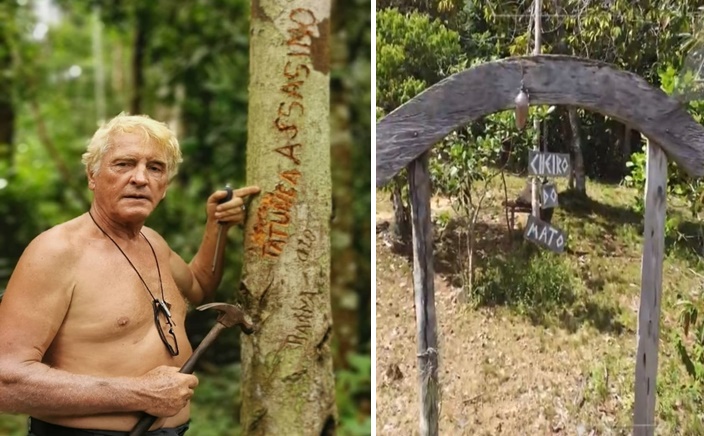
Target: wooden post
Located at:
point(424, 289)
point(536, 123)
point(651, 290)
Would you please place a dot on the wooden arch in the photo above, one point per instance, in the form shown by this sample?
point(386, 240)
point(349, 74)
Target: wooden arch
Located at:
point(406, 134)
point(416, 126)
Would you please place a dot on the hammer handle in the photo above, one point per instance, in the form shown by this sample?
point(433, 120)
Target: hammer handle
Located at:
point(147, 420)
point(143, 425)
point(190, 364)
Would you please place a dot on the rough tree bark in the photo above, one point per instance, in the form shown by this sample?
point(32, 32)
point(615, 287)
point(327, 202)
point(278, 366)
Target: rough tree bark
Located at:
point(287, 372)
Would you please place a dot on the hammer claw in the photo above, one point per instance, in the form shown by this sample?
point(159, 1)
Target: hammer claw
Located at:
point(230, 315)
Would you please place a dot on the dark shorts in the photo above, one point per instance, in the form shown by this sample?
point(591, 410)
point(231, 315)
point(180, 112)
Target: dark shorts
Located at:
point(41, 428)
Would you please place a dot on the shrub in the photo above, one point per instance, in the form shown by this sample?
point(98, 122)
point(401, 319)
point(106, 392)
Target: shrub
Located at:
point(525, 281)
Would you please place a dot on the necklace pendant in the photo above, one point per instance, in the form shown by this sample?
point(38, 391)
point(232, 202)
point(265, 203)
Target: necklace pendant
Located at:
point(165, 307)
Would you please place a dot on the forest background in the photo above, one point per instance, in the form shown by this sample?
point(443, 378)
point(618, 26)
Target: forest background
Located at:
point(66, 65)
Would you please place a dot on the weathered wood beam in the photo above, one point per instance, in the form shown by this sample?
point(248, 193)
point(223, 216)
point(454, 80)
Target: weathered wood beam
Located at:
point(416, 126)
point(650, 291)
point(424, 289)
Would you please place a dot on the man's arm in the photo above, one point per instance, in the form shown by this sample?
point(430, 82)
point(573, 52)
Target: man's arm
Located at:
point(32, 310)
point(197, 280)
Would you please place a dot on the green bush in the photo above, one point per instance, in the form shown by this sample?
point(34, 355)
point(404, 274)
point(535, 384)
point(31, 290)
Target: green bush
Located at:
point(353, 386)
point(519, 279)
point(414, 51)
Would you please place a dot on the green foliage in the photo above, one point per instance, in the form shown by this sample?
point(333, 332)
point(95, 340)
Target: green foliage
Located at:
point(442, 220)
point(353, 385)
point(13, 425)
point(636, 179)
point(679, 184)
point(413, 52)
point(682, 238)
point(691, 348)
point(431, 7)
point(473, 154)
point(216, 404)
point(519, 279)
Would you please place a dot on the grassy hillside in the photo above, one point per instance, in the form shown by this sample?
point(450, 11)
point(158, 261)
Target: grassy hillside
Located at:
point(544, 343)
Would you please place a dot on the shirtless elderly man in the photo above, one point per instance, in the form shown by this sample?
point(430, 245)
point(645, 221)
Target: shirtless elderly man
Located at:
point(92, 320)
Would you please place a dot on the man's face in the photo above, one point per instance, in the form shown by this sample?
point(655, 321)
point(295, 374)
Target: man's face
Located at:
point(131, 180)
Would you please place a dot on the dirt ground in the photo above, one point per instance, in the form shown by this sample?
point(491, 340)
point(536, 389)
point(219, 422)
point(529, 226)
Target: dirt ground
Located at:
point(500, 373)
point(492, 374)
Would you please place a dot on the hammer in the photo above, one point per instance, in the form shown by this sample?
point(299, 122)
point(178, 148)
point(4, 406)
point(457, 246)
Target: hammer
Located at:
point(230, 315)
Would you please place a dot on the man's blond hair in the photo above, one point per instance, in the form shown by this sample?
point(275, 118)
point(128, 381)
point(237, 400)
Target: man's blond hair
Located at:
point(157, 132)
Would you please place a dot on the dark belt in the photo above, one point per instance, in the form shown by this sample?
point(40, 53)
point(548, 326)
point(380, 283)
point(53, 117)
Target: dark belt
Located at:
point(41, 428)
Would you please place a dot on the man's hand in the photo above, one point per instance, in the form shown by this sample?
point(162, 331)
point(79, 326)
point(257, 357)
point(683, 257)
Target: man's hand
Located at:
point(231, 212)
point(167, 391)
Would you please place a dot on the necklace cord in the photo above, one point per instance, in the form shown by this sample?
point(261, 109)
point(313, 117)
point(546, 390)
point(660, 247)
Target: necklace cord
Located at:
point(130, 262)
point(159, 305)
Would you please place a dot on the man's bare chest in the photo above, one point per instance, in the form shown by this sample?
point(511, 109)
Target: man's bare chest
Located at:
point(112, 300)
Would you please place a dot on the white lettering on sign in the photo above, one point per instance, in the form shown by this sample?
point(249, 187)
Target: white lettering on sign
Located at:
point(544, 234)
point(548, 164)
point(549, 196)
point(532, 230)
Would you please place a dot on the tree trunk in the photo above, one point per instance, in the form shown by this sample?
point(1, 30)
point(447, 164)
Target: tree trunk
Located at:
point(402, 213)
point(287, 371)
point(578, 163)
point(626, 146)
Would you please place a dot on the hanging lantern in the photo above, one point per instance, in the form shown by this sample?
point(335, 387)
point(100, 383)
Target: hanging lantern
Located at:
point(521, 109)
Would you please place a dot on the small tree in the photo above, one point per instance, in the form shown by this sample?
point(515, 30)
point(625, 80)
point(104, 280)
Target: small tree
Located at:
point(413, 52)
